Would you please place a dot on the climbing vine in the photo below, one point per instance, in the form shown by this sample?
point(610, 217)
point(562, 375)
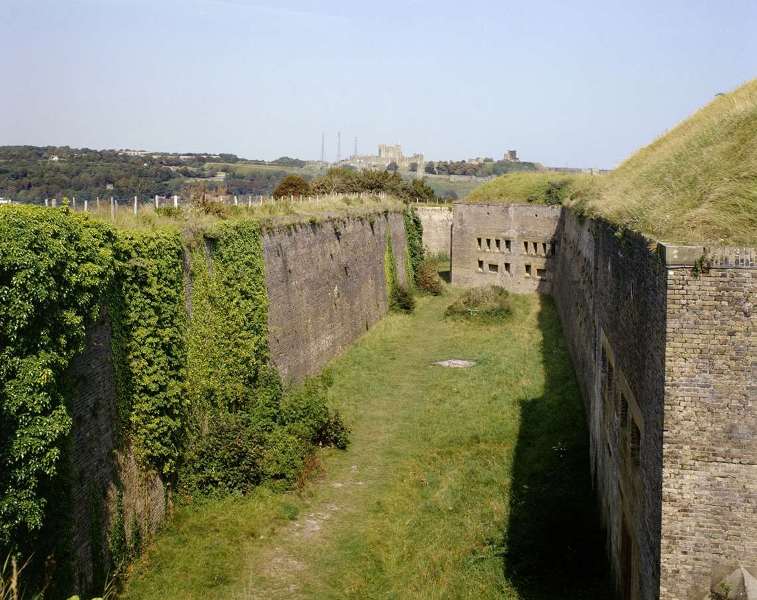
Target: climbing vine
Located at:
point(228, 340)
point(415, 252)
point(54, 268)
point(149, 344)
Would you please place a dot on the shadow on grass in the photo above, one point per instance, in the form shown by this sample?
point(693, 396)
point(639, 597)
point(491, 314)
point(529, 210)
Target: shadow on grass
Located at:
point(554, 545)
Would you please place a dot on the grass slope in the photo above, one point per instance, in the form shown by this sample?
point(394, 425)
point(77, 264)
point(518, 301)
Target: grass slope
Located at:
point(459, 483)
point(529, 187)
point(695, 184)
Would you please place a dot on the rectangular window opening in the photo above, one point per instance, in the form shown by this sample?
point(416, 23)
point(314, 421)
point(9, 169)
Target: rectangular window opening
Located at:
point(507, 268)
point(493, 268)
point(536, 247)
point(478, 243)
point(525, 247)
point(488, 245)
point(541, 273)
point(528, 270)
point(498, 244)
point(544, 249)
point(507, 245)
point(481, 266)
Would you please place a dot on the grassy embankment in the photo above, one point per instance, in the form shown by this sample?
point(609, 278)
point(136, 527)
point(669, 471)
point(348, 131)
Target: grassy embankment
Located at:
point(459, 483)
point(696, 183)
point(270, 213)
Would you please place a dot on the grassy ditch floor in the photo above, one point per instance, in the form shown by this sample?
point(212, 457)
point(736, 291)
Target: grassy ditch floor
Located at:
point(459, 483)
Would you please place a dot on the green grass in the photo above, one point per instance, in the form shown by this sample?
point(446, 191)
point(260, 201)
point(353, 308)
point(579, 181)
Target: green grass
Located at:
point(531, 186)
point(695, 184)
point(459, 483)
point(271, 213)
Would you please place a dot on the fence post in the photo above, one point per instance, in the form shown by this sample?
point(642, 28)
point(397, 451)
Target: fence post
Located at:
point(73, 205)
point(46, 202)
point(55, 202)
point(249, 201)
point(86, 208)
point(112, 209)
point(135, 205)
point(97, 203)
point(235, 201)
point(157, 202)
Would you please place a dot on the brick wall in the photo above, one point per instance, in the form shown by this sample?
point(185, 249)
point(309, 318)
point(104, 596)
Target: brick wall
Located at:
point(709, 515)
point(437, 228)
point(98, 466)
point(666, 358)
point(326, 287)
point(509, 245)
point(610, 293)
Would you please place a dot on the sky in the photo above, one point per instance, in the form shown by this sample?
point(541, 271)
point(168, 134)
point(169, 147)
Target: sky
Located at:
point(566, 83)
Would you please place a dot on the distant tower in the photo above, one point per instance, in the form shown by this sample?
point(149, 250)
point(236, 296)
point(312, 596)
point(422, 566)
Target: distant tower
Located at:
point(323, 147)
point(338, 146)
point(355, 153)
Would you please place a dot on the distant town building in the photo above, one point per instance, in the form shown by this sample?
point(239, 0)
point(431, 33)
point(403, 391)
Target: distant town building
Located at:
point(511, 156)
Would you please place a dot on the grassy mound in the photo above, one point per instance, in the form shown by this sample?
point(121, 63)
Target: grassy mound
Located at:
point(697, 183)
point(487, 304)
point(541, 187)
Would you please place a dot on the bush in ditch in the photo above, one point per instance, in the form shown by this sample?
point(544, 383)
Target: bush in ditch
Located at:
point(428, 278)
point(486, 304)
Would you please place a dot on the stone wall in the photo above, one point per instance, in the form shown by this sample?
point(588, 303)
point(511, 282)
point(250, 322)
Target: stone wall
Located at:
point(662, 338)
point(510, 245)
point(610, 292)
point(709, 514)
point(326, 287)
point(437, 228)
point(99, 468)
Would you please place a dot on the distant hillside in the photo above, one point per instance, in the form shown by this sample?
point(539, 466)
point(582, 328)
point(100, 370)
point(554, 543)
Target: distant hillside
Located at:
point(697, 183)
point(33, 173)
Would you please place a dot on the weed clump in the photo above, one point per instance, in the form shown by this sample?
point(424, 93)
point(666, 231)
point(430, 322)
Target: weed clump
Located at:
point(486, 305)
point(401, 300)
point(428, 278)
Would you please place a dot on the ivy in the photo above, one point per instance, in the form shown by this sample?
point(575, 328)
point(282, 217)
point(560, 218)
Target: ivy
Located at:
point(415, 251)
point(228, 341)
point(54, 268)
point(149, 344)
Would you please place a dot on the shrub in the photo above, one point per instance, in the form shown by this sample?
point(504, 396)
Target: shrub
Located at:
point(292, 185)
point(306, 409)
point(487, 304)
point(428, 278)
point(226, 459)
point(268, 441)
point(401, 299)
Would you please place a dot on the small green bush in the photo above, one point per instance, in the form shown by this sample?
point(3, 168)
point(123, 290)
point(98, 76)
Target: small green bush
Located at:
point(401, 299)
point(306, 408)
point(487, 304)
point(428, 278)
point(265, 443)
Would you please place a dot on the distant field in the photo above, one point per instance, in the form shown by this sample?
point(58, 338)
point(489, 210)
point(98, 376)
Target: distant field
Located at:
point(248, 169)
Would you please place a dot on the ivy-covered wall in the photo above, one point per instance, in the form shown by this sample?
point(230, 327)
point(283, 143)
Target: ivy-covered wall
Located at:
point(135, 363)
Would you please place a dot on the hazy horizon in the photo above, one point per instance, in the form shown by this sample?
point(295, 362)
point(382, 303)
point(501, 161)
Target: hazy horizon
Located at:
point(580, 85)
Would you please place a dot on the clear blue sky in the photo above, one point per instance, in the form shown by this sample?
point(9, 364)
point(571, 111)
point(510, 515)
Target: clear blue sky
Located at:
point(573, 83)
